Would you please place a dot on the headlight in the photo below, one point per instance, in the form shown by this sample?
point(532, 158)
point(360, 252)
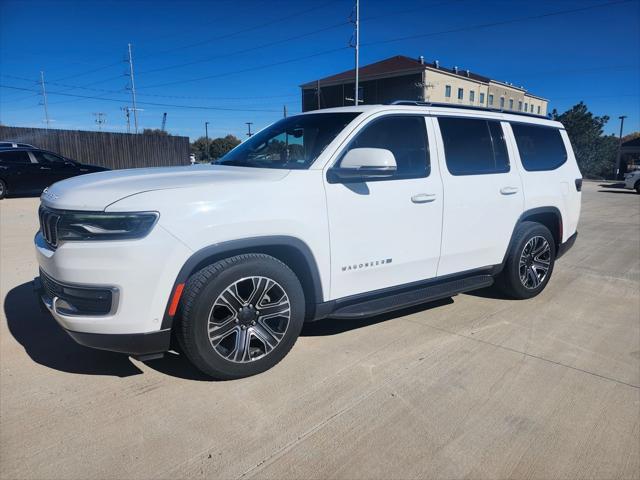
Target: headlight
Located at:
point(105, 226)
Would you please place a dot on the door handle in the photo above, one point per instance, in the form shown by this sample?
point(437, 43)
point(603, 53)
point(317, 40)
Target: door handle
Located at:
point(45, 168)
point(423, 198)
point(508, 190)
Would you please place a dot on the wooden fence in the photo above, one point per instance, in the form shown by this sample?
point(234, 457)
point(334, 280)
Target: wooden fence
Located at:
point(106, 149)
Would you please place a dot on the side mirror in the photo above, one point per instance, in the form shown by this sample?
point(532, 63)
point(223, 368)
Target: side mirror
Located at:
point(362, 164)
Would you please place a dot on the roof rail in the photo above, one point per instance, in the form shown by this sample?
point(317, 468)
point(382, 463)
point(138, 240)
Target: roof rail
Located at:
point(418, 103)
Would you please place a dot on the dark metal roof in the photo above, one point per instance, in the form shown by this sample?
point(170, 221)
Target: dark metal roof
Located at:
point(392, 66)
point(634, 142)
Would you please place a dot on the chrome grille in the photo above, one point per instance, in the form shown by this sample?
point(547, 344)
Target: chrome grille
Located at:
point(49, 225)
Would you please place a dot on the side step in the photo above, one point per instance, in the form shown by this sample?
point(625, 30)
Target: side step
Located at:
point(424, 294)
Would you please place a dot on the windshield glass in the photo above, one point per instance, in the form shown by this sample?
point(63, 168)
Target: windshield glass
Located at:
point(292, 143)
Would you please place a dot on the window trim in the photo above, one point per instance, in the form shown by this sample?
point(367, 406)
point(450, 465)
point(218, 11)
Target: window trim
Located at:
point(345, 148)
point(474, 173)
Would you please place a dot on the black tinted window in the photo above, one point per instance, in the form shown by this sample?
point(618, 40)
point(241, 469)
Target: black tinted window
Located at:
point(541, 148)
point(473, 146)
point(405, 136)
point(45, 157)
point(14, 157)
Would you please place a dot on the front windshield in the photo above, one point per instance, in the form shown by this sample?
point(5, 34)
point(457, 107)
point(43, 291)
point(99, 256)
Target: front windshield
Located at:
point(292, 143)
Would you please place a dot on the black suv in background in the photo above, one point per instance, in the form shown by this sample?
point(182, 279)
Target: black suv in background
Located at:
point(29, 170)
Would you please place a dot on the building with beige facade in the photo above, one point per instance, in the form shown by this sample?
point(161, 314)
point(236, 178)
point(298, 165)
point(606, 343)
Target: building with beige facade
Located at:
point(404, 78)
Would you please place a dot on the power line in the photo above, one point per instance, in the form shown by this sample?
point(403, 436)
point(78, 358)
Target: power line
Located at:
point(197, 107)
point(495, 24)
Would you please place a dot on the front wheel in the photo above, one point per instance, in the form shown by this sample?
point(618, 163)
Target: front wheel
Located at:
point(3, 189)
point(529, 263)
point(241, 315)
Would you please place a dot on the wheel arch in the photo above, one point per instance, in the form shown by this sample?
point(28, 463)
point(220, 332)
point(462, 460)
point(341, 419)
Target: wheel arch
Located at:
point(291, 251)
point(550, 217)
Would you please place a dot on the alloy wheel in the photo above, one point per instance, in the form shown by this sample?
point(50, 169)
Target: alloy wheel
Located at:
point(535, 261)
point(249, 319)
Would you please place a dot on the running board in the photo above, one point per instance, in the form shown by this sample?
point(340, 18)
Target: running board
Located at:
point(424, 294)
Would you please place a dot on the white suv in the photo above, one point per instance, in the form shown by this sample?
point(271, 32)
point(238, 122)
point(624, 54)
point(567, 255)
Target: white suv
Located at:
point(346, 212)
point(632, 181)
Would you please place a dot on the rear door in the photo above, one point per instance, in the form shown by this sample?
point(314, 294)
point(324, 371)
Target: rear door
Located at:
point(19, 172)
point(483, 193)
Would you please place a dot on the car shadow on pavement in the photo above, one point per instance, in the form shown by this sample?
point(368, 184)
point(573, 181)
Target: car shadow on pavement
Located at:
point(628, 192)
point(335, 326)
point(47, 343)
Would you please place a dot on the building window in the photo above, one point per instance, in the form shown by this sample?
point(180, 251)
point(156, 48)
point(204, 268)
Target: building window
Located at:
point(502, 102)
point(447, 91)
point(490, 99)
point(511, 104)
point(538, 109)
point(482, 98)
point(526, 107)
point(472, 96)
point(519, 106)
point(460, 94)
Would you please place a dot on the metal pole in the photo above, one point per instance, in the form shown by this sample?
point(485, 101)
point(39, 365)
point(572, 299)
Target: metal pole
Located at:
point(621, 117)
point(44, 98)
point(284, 111)
point(249, 128)
point(206, 133)
point(355, 98)
point(133, 91)
point(318, 92)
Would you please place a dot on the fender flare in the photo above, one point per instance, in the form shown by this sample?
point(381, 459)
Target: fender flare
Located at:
point(523, 216)
point(245, 245)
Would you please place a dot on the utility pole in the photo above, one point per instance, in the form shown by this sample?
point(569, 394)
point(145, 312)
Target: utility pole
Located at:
point(318, 93)
point(133, 91)
point(100, 120)
point(249, 128)
point(164, 121)
point(44, 100)
point(357, 48)
point(284, 111)
point(206, 134)
point(621, 117)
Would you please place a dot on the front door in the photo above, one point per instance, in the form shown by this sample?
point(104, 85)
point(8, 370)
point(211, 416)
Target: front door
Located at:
point(483, 193)
point(386, 232)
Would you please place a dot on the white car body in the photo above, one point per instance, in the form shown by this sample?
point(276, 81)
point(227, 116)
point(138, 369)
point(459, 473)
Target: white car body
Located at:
point(394, 233)
point(632, 180)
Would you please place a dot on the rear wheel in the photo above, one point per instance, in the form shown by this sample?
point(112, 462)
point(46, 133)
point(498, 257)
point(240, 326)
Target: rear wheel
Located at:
point(241, 315)
point(3, 189)
point(637, 186)
point(529, 263)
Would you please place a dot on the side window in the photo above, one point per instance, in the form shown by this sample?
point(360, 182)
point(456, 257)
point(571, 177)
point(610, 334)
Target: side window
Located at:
point(44, 157)
point(15, 158)
point(447, 91)
point(540, 148)
point(473, 146)
point(405, 136)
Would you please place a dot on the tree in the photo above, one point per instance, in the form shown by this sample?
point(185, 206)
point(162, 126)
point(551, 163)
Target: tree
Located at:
point(595, 152)
point(154, 131)
point(217, 147)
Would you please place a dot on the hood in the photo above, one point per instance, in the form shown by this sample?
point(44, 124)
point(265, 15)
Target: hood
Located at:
point(96, 191)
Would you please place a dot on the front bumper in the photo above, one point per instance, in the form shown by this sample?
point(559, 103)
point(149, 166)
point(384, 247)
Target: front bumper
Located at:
point(137, 344)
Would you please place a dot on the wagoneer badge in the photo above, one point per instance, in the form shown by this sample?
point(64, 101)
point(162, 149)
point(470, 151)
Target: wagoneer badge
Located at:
point(360, 266)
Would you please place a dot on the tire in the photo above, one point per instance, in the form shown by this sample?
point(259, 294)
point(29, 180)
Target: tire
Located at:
point(527, 279)
point(637, 187)
point(230, 298)
point(3, 189)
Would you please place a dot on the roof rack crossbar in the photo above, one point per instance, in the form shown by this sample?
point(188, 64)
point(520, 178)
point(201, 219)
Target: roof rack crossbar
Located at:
point(419, 103)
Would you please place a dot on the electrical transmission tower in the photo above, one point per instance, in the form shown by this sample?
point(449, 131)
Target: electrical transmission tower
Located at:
point(127, 114)
point(44, 100)
point(100, 119)
point(355, 44)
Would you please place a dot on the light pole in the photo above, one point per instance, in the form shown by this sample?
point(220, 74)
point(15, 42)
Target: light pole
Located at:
point(206, 134)
point(621, 117)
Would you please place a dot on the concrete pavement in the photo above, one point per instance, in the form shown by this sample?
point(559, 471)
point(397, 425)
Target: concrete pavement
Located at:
point(473, 387)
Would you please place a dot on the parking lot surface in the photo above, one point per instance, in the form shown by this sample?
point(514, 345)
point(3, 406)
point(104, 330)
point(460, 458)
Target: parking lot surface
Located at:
point(475, 386)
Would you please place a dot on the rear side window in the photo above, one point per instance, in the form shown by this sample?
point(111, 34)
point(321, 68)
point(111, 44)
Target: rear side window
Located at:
point(14, 158)
point(473, 146)
point(541, 148)
point(44, 157)
point(405, 136)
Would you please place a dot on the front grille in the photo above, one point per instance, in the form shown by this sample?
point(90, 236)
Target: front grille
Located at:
point(78, 300)
point(49, 225)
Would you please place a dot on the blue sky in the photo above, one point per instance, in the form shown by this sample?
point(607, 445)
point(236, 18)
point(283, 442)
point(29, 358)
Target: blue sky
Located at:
point(241, 61)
